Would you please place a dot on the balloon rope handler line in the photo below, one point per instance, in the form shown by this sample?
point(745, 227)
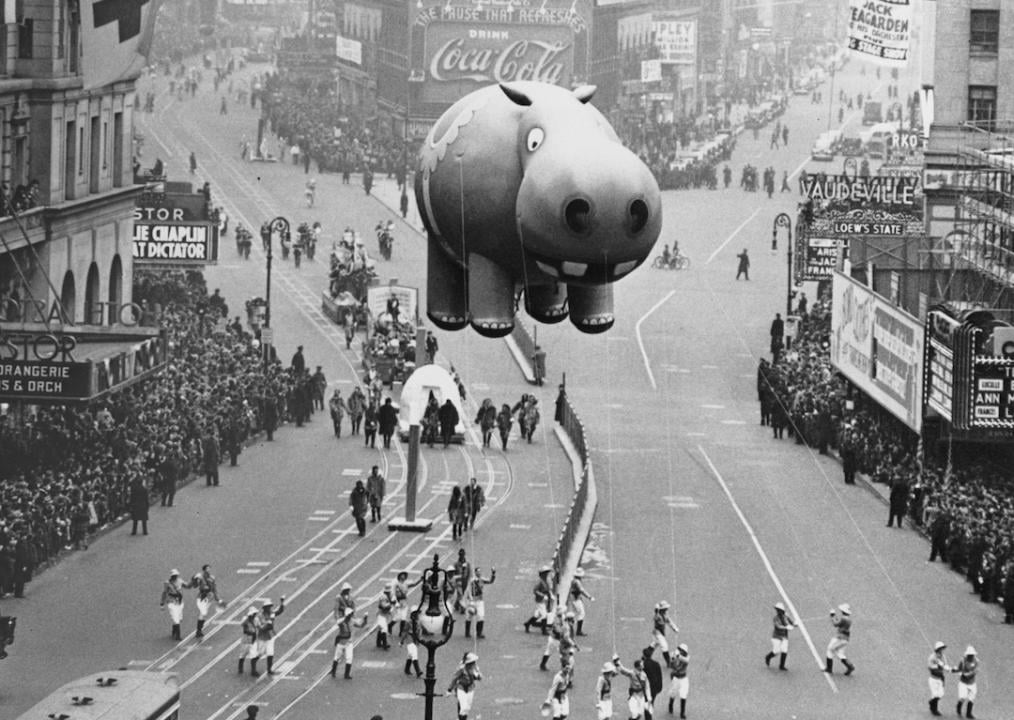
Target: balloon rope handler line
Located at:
point(410, 523)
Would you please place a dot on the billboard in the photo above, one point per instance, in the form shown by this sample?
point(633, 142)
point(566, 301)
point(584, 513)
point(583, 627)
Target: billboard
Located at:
point(819, 257)
point(174, 229)
point(878, 347)
point(463, 47)
point(676, 40)
point(349, 50)
point(37, 380)
point(881, 30)
point(992, 390)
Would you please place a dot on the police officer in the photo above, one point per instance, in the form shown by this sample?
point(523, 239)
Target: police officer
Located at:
point(475, 606)
point(207, 592)
point(780, 637)
point(577, 598)
point(172, 599)
point(841, 619)
point(248, 647)
point(266, 631)
point(937, 665)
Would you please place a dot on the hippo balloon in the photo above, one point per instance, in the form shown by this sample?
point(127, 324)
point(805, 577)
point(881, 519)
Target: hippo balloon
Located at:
point(525, 186)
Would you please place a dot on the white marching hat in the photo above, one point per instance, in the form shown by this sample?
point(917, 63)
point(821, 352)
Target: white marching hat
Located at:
point(845, 609)
point(251, 611)
point(663, 605)
point(939, 645)
point(545, 569)
point(346, 586)
point(780, 606)
point(682, 647)
point(579, 572)
point(471, 658)
point(608, 668)
point(970, 650)
point(174, 572)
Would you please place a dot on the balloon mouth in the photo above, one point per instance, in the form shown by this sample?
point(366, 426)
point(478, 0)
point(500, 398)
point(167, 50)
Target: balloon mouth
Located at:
point(582, 273)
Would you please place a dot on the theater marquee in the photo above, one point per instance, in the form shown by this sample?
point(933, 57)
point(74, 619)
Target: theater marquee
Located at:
point(174, 229)
point(460, 47)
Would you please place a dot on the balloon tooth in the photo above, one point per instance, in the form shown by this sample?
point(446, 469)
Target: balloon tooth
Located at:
point(574, 269)
point(624, 267)
point(547, 268)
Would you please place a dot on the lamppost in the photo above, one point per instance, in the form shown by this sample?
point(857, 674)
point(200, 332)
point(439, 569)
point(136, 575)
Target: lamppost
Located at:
point(782, 220)
point(279, 225)
point(432, 626)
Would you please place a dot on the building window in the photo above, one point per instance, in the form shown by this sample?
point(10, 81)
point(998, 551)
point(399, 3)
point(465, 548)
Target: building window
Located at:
point(984, 36)
point(26, 30)
point(982, 105)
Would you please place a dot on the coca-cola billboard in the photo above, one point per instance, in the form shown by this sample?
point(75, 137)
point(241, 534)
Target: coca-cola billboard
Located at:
point(469, 45)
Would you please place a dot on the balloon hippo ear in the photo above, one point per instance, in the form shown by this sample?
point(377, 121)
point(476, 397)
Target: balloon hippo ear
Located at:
point(516, 95)
point(584, 93)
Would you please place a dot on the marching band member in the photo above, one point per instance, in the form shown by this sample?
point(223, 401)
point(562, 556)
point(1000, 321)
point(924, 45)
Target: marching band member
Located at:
point(543, 597)
point(937, 665)
point(248, 647)
point(407, 640)
point(558, 699)
point(967, 668)
point(679, 685)
point(604, 692)
point(660, 621)
point(343, 640)
point(385, 616)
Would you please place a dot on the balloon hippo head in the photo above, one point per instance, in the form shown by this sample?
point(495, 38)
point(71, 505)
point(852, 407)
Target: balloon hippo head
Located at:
point(525, 186)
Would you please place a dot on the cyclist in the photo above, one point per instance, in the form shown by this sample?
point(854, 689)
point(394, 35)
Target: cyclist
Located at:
point(666, 257)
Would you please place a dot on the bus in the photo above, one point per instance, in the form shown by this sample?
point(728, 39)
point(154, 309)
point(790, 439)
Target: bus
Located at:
point(113, 695)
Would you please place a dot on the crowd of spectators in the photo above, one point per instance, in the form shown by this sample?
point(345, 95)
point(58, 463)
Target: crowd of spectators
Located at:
point(964, 504)
point(335, 137)
point(70, 470)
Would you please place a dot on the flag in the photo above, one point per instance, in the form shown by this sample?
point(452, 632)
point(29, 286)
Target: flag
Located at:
point(116, 37)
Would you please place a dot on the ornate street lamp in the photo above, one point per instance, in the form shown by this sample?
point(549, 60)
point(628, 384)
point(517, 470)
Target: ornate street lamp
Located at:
point(782, 220)
point(432, 626)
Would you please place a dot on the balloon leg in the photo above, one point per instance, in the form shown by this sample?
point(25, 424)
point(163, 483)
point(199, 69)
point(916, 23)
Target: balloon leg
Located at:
point(547, 303)
point(591, 307)
point(490, 297)
point(445, 289)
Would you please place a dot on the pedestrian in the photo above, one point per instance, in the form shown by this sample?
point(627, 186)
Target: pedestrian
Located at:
point(679, 684)
point(653, 671)
point(637, 693)
point(298, 361)
point(475, 498)
point(223, 108)
point(780, 637)
point(457, 513)
point(504, 421)
point(966, 669)
point(169, 470)
point(841, 620)
point(266, 632)
point(660, 621)
point(251, 712)
point(604, 692)
point(358, 501)
point(403, 205)
point(139, 504)
point(338, 409)
point(486, 420)
point(785, 135)
point(387, 418)
point(543, 595)
point(577, 597)
point(343, 645)
point(407, 640)
point(211, 455)
point(463, 684)
point(318, 384)
point(356, 405)
point(248, 646)
point(777, 335)
point(370, 424)
point(848, 461)
point(785, 182)
point(367, 180)
point(940, 531)
point(172, 600)
point(431, 347)
point(744, 265)
point(529, 418)
point(193, 163)
point(539, 365)
point(270, 417)
point(207, 592)
point(558, 699)
point(475, 606)
point(937, 664)
point(898, 502)
point(448, 418)
point(375, 488)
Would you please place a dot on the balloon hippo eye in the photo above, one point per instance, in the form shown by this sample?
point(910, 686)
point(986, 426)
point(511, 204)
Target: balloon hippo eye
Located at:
point(535, 138)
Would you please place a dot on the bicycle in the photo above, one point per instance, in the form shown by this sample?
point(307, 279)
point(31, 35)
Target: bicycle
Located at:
point(676, 262)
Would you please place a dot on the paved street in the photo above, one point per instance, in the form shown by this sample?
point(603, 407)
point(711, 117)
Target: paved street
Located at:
point(698, 505)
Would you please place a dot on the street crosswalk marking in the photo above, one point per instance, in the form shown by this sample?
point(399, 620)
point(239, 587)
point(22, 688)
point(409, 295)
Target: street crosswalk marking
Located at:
point(375, 663)
point(734, 422)
point(710, 367)
point(349, 472)
point(683, 505)
point(258, 563)
point(519, 526)
point(323, 512)
point(248, 571)
point(319, 518)
point(713, 407)
point(505, 606)
point(696, 434)
point(538, 484)
point(552, 505)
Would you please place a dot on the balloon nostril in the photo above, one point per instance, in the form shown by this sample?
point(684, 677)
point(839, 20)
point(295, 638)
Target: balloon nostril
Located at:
point(638, 212)
point(578, 215)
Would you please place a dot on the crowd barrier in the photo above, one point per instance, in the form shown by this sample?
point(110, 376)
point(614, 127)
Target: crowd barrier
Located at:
point(577, 526)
